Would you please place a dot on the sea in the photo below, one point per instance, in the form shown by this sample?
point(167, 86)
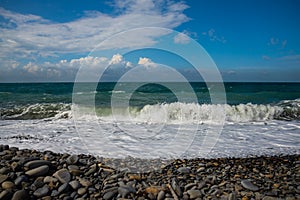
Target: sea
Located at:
point(150, 121)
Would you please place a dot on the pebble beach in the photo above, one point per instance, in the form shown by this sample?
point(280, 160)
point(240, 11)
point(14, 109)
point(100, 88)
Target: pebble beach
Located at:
point(30, 174)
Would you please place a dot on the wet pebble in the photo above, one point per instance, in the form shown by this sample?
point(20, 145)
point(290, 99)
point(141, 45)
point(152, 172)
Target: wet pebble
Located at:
point(249, 185)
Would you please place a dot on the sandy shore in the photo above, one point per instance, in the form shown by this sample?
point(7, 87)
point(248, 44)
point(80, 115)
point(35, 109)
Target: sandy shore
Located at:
point(30, 174)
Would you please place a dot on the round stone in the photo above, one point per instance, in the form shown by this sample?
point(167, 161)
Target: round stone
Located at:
point(63, 175)
point(249, 185)
point(194, 194)
point(20, 195)
point(41, 192)
point(7, 185)
point(39, 171)
point(36, 163)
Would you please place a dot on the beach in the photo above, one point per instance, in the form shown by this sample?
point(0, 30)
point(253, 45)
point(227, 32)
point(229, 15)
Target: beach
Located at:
point(31, 174)
point(53, 147)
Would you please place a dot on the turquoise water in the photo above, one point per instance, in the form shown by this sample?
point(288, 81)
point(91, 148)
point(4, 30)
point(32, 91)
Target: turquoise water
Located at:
point(43, 100)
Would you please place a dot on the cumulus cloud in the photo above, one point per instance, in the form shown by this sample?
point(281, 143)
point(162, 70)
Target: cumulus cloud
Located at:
point(182, 38)
point(213, 36)
point(146, 62)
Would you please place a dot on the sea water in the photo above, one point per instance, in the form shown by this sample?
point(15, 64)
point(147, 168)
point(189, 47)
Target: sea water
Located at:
point(260, 119)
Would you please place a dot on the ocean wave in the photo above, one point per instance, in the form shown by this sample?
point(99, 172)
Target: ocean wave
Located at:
point(36, 111)
point(176, 112)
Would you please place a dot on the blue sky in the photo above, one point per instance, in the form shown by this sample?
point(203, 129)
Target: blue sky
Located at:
point(251, 40)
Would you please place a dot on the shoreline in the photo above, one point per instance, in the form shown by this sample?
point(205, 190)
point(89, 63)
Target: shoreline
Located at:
point(31, 174)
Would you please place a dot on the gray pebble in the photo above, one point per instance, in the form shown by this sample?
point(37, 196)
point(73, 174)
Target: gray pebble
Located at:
point(184, 170)
point(39, 171)
point(36, 163)
point(20, 195)
point(63, 188)
point(41, 192)
point(20, 179)
point(63, 175)
point(194, 194)
point(248, 185)
point(109, 195)
point(161, 195)
point(71, 160)
point(74, 184)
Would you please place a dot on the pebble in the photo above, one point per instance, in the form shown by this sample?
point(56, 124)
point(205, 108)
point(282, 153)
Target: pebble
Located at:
point(63, 175)
point(249, 185)
point(74, 184)
point(7, 185)
point(3, 178)
point(41, 192)
point(194, 194)
point(5, 195)
point(20, 179)
point(222, 178)
point(183, 170)
point(161, 195)
point(71, 160)
point(39, 171)
point(110, 195)
point(125, 190)
point(63, 188)
point(85, 182)
point(81, 191)
point(20, 195)
point(36, 163)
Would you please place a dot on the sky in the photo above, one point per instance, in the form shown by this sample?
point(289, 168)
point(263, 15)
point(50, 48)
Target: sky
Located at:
point(249, 40)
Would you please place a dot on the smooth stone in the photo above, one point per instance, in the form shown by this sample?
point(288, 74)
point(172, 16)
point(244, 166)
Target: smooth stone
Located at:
point(20, 179)
point(232, 196)
point(73, 159)
point(74, 184)
point(75, 172)
point(248, 185)
point(194, 194)
point(269, 198)
point(85, 182)
point(4, 170)
point(36, 163)
point(49, 179)
point(63, 175)
point(54, 193)
point(125, 190)
point(190, 185)
point(20, 195)
point(176, 187)
point(5, 195)
point(7, 185)
point(39, 171)
point(3, 178)
point(109, 195)
point(81, 191)
point(184, 170)
point(161, 195)
point(39, 182)
point(41, 192)
point(63, 188)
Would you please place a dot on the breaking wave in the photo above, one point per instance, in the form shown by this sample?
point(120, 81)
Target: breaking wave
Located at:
point(168, 112)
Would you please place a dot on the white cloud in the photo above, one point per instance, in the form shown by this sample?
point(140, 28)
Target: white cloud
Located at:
point(182, 38)
point(213, 36)
point(31, 68)
point(264, 57)
point(29, 36)
point(146, 62)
